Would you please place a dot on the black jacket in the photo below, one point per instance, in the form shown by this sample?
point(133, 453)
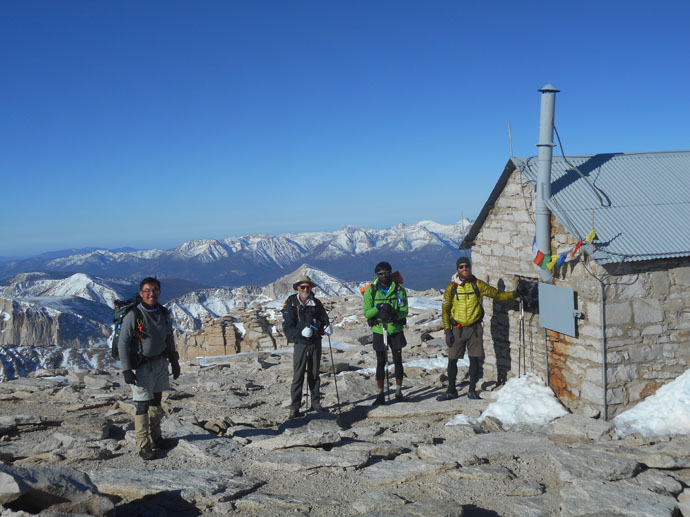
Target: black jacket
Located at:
point(296, 316)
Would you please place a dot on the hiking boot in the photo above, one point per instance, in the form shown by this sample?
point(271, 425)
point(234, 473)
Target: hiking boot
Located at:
point(399, 395)
point(146, 453)
point(471, 394)
point(294, 413)
point(381, 399)
point(316, 406)
point(448, 395)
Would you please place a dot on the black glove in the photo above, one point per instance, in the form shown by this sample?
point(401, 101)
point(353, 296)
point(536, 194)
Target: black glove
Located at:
point(174, 359)
point(175, 369)
point(386, 312)
point(521, 290)
point(449, 338)
point(130, 378)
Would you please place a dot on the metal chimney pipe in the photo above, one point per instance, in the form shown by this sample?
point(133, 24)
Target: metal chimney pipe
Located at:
point(546, 145)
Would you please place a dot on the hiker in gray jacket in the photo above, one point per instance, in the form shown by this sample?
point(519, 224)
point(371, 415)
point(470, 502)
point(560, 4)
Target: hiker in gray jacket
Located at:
point(148, 328)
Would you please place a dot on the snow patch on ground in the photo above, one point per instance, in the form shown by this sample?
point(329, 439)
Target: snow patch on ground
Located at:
point(665, 412)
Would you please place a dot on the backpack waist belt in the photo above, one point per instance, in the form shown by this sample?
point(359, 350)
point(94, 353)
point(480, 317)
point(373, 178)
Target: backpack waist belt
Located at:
point(455, 324)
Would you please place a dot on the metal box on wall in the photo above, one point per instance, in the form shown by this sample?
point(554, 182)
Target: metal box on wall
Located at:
point(557, 309)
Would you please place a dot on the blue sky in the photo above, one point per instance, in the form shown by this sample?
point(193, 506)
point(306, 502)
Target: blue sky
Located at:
point(150, 123)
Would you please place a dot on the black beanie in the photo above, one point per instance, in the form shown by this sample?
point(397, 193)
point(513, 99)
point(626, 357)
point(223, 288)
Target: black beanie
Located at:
point(463, 260)
point(383, 266)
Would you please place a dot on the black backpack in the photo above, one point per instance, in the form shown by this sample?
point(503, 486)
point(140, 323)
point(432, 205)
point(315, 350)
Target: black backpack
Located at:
point(473, 283)
point(122, 308)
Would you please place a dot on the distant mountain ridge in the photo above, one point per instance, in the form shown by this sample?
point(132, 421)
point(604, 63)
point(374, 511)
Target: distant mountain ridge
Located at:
point(420, 250)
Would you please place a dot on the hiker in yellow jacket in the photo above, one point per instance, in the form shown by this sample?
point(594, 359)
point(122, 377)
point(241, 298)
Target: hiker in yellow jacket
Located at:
point(462, 314)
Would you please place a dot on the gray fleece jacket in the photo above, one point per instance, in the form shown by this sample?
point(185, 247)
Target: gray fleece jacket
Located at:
point(157, 329)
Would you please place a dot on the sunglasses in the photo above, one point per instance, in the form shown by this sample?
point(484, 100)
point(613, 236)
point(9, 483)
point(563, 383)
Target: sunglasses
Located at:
point(464, 266)
point(383, 273)
point(305, 287)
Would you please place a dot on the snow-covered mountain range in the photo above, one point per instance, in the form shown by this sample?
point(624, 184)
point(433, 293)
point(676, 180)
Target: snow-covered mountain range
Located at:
point(349, 253)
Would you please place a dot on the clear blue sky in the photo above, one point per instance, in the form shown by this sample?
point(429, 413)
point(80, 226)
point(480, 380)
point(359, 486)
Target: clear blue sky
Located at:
point(150, 123)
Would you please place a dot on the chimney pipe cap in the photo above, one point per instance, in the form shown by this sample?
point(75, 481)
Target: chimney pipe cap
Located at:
point(548, 88)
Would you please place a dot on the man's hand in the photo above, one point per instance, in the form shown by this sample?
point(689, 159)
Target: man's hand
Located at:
point(449, 338)
point(386, 312)
point(521, 290)
point(130, 378)
point(327, 330)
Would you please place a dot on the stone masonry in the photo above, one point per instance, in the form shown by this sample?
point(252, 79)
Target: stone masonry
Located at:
point(646, 313)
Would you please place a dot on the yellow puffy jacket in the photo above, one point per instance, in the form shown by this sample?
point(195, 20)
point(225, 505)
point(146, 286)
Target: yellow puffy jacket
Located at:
point(465, 307)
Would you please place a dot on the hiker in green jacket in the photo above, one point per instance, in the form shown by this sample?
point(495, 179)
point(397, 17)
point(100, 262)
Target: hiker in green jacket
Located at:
point(385, 307)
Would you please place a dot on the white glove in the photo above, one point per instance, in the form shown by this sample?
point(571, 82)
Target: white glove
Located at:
point(307, 331)
point(328, 330)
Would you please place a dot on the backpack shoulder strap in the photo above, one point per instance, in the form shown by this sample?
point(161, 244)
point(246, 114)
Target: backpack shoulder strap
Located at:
point(475, 288)
point(138, 316)
point(166, 314)
point(295, 306)
point(479, 297)
point(453, 291)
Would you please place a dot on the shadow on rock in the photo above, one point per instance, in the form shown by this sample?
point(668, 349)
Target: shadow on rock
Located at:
point(165, 503)
point(470, 510)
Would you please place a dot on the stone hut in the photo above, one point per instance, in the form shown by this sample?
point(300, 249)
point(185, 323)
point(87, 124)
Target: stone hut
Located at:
point(630, 283)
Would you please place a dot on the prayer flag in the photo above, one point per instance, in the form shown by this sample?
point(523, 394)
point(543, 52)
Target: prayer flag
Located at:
point(545, 262)
point(577, 246)
point(591, 236)
point(561, 259)
point(539, 258)
point(552, 262)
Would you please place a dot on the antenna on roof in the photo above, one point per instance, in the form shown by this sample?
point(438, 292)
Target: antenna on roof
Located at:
point(510, 139)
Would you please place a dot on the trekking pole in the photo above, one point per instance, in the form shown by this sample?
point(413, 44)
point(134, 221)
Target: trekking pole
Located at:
point(521, 338)
point(385, 342)
point(306, 381)
point(335, 380)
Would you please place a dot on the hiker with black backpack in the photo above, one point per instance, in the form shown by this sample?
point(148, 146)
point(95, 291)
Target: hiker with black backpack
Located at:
point(145, 347)
point(385, 307)
point(304, 322)
point(462, 315)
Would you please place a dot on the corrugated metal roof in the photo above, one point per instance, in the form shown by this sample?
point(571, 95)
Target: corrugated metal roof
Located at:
point(644, 211)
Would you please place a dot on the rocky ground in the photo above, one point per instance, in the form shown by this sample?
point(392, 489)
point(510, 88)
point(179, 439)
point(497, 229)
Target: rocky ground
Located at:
point(67, 447)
